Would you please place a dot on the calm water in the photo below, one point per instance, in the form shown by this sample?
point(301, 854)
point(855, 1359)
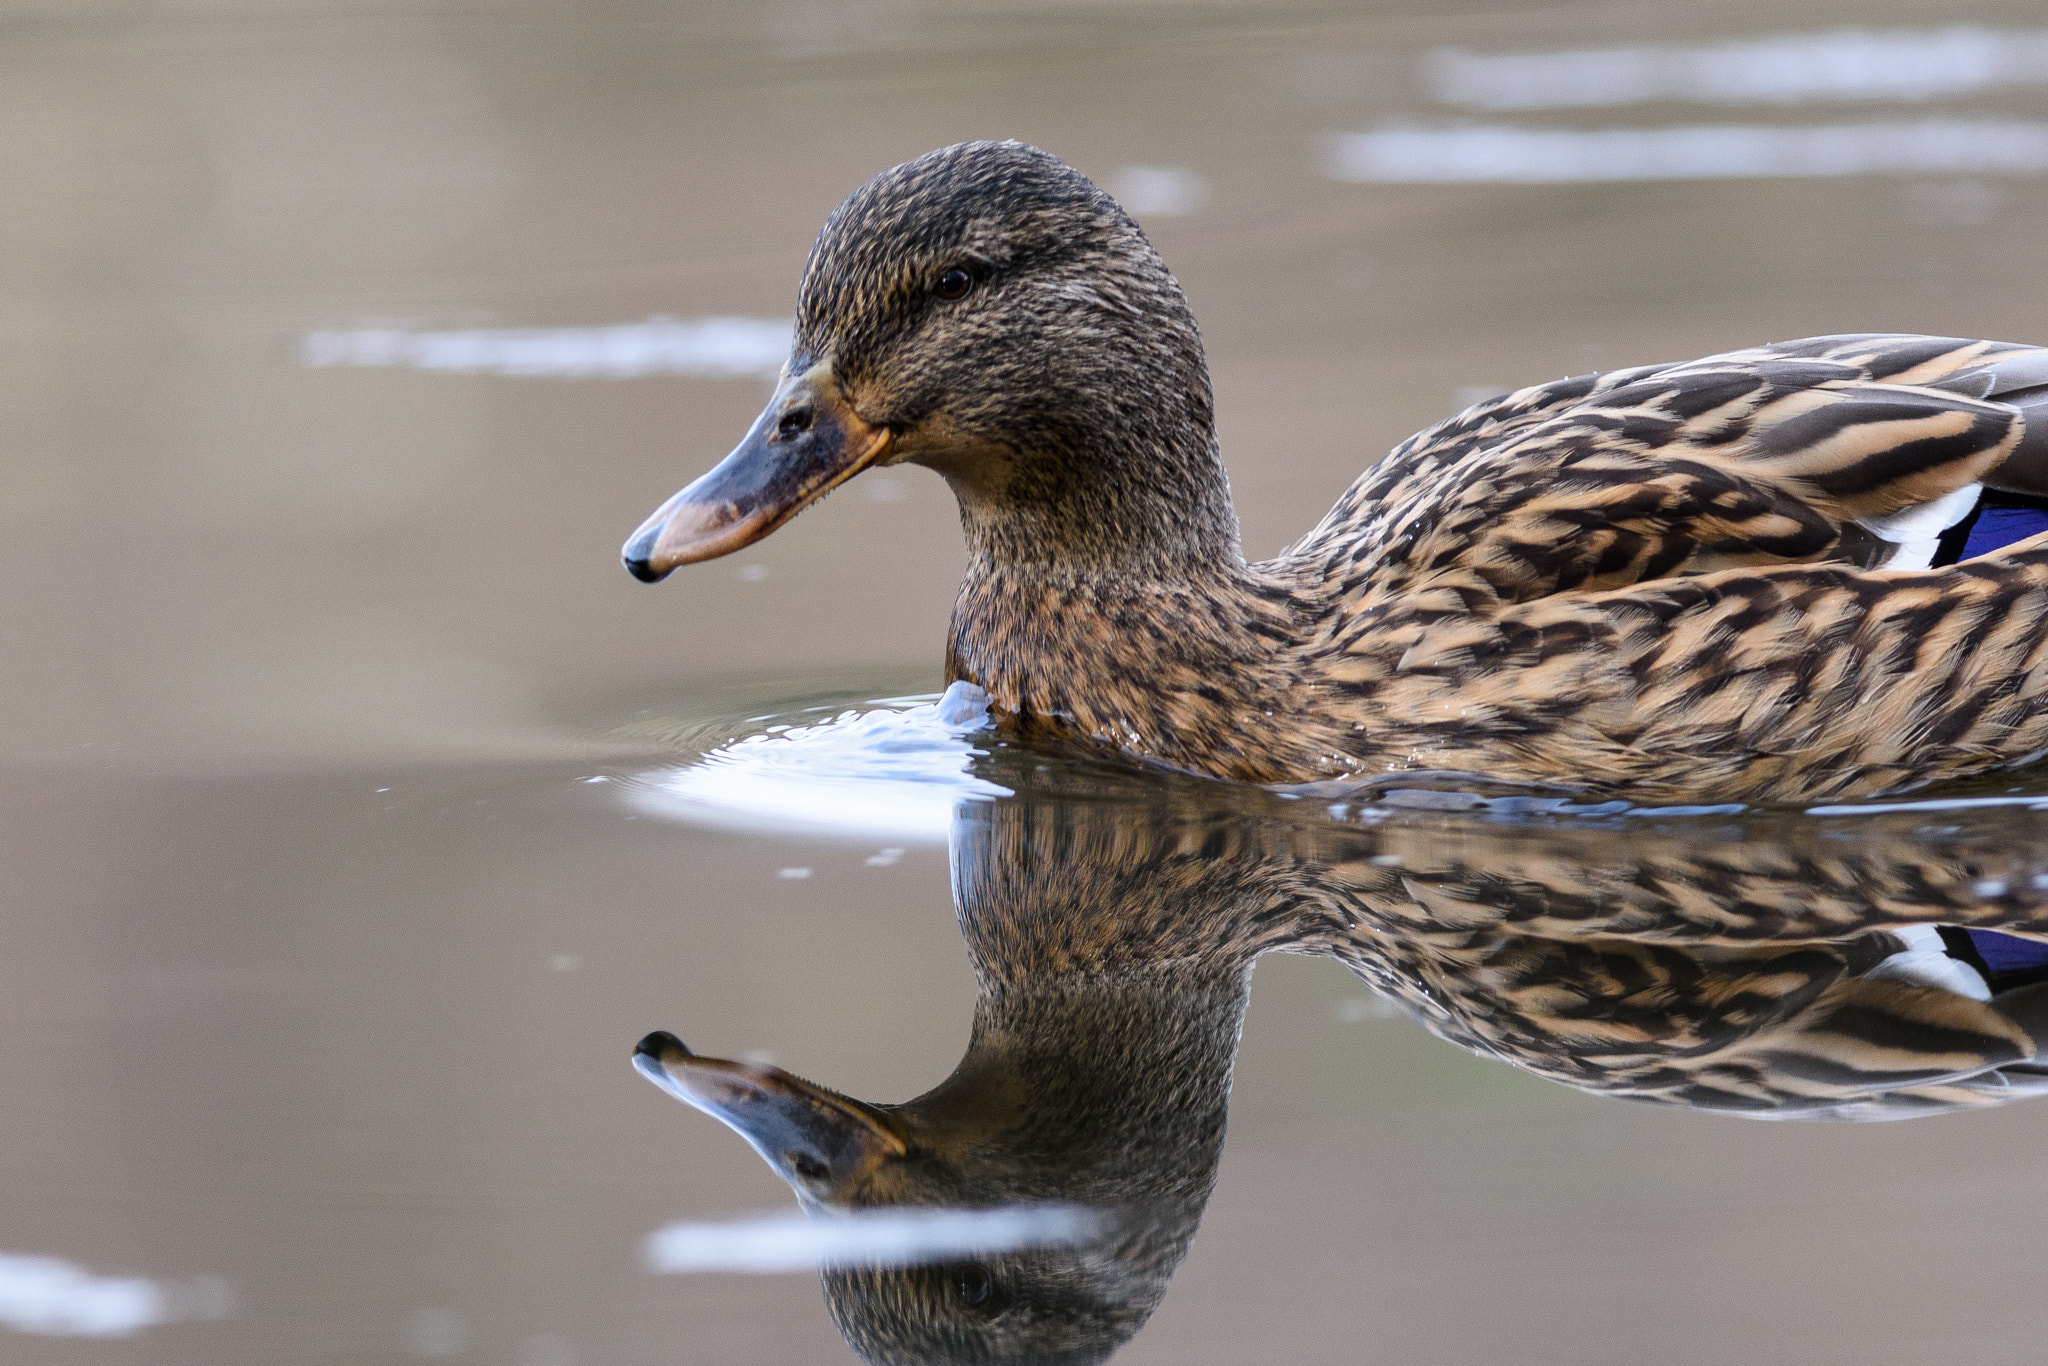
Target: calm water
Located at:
point(342, 347)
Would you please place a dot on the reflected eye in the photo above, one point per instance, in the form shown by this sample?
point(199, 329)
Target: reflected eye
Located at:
point(954, 284)
point(972, 1285)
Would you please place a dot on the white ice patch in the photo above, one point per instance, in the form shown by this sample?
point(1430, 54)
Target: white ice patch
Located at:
point(782, 1242)
point(705, 348)
point(56, 1298)
point(1470, 154)
point(1780, 69)
point(1917, 530)
point(892, 772)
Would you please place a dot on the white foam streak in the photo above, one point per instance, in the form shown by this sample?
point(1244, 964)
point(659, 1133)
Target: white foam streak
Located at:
point(1782, 69)
point(707, 348)
point(1505, 154)
point(784, 1242)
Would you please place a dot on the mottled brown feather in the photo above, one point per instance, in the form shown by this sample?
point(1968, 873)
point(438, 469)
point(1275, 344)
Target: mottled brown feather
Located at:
point(1653, 580)
point(1729, 973)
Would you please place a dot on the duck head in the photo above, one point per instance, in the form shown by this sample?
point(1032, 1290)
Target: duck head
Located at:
point(985, 311)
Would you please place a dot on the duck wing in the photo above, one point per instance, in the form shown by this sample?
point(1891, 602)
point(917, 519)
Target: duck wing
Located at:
point(1794, 975)
point(1799, 1031)
point(1856, 450)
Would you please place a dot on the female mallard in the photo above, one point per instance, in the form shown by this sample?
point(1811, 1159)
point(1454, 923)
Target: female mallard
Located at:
point(1674, 579)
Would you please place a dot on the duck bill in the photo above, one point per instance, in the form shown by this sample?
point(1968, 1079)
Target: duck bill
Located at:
point(805, 443)
point(822, 1143)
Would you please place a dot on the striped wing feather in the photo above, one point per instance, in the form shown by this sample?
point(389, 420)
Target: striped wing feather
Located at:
point(1750, 459)
point(1794, 1032)
point(1728, 976)
point(1740, 972)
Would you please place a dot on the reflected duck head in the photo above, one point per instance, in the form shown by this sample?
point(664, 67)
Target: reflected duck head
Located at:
point(986, 311)
point(1112, 947)
point(1104, 1094)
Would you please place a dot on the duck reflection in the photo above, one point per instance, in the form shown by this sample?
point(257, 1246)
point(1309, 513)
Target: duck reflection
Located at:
point(1111, 953)
point(1875, 969)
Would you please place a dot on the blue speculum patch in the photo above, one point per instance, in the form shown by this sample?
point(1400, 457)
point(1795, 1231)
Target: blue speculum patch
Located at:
point(2000, 520)
point(2005, 955)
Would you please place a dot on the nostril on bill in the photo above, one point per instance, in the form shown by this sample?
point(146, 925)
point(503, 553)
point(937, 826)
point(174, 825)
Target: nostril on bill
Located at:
point(794, 423)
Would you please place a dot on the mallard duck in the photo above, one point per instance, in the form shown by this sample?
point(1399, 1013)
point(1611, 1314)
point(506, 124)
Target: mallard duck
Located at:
point(1674, 580)
point(1112, 944)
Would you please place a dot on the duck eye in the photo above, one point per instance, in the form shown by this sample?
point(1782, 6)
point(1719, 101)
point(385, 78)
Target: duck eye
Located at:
point(954, 284)
point(973, 1285)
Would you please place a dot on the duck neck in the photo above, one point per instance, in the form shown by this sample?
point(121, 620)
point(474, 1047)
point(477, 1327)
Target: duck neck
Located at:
point(1121, 511)
point(1108, 1010)
point(1107, 603)
point(1115, 1086)
point(1126, 621)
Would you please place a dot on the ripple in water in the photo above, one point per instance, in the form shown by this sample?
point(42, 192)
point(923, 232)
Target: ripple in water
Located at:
point(897, 769)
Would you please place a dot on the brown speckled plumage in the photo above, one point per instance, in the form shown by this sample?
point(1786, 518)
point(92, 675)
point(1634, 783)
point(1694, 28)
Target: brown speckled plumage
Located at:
point(1654, 580)
point(1729, 973)
point(1725, 970)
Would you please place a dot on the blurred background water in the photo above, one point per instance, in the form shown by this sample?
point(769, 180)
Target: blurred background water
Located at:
point(340, 346)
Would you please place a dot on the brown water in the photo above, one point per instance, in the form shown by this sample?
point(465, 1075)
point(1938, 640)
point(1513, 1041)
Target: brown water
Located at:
point(320, 966)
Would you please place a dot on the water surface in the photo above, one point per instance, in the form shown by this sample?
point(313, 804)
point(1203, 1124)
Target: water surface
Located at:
point(330, 390)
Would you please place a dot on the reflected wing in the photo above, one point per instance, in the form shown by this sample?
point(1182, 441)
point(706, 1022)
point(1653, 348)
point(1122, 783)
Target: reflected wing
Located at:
point(1796, 1034)
point(1816, 450)
point(1746, 975)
